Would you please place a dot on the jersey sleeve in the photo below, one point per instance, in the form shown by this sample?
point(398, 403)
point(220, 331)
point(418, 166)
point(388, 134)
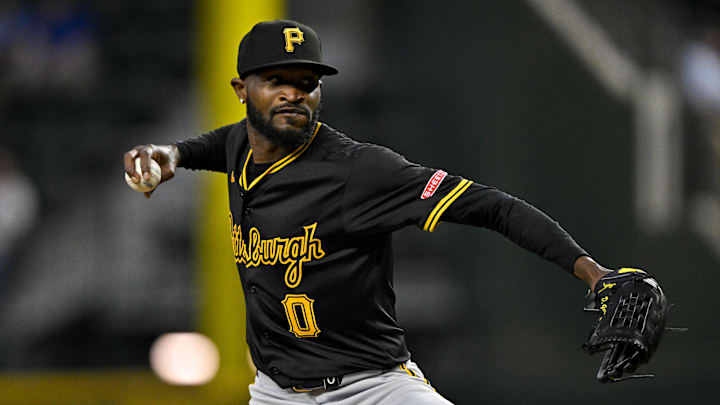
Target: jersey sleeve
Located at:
point(385, 192)
point(517, 220)
point(205, 152)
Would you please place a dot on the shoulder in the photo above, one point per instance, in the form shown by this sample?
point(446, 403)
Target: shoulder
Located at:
point(236, 134)
point(238, 129)
point(338, 145)
point(230, 129)
point(333, 144)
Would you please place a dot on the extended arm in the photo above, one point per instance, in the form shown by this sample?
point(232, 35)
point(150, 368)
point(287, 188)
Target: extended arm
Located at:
point(526, 226)
point(205, 152)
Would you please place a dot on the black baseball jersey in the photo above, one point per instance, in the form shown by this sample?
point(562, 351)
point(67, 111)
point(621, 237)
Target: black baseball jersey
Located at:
point(311, 236)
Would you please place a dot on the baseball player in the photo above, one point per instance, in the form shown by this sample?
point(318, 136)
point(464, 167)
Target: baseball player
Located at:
point(311, 217)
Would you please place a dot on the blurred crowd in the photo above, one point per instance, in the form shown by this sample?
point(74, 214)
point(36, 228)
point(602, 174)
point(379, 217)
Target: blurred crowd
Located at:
point(48, 51)
point(75, 93)
point(19, 210)
point(48, 46)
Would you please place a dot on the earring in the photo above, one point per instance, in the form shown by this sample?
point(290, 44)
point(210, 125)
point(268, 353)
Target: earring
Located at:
point(242, 101)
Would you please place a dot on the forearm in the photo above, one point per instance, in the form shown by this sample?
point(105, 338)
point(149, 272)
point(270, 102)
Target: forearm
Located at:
point(175, 154)
point(204, 152)
point(517, 220)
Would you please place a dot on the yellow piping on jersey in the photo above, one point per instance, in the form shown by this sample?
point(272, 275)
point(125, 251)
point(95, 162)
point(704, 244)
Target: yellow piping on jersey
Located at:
point(407, 370)
point(277, 165)
point(437, 212)
point(412, 373)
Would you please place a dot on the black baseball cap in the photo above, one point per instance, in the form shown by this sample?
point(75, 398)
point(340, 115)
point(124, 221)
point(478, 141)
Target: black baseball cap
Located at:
point(278, 43)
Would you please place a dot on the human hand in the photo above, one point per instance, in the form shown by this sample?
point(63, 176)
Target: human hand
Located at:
point(167, 156)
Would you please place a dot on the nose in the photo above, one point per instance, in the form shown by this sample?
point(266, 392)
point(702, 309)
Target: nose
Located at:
point(292, 94)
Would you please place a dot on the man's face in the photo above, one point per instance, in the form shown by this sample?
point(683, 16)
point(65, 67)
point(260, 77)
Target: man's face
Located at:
point(284, 103)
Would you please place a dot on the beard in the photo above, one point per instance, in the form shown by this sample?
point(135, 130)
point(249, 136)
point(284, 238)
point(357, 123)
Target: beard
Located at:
point(291, 138)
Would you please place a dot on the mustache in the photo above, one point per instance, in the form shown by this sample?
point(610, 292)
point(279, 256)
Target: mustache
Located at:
point(289, 107)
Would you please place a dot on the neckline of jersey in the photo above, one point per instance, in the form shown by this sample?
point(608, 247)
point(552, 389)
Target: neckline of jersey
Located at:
point(277, 165)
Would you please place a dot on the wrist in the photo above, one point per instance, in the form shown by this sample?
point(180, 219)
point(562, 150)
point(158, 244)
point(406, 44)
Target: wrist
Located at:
point(174, 154)
point(586, 269)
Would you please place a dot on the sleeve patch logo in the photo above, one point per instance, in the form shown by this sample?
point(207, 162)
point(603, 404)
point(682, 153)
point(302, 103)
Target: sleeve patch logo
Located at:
point(433, 184)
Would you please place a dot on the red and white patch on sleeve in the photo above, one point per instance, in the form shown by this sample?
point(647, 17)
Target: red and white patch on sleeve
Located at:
point(433, 184)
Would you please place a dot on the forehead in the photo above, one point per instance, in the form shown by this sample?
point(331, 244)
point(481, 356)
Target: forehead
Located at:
point(289, 72)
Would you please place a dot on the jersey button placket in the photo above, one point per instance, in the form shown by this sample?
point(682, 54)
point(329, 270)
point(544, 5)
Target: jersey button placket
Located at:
point(253, 289)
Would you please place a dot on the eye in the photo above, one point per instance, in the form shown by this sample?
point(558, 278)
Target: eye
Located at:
point(309, 84)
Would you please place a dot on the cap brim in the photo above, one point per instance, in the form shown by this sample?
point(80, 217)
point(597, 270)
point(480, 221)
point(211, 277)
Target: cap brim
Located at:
point(322, 69)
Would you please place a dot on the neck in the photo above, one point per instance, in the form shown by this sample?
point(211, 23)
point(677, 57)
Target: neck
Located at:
point(264, 151)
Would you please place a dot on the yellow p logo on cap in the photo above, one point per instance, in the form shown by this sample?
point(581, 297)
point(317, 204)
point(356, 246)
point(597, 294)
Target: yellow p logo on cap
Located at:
point(292, 36)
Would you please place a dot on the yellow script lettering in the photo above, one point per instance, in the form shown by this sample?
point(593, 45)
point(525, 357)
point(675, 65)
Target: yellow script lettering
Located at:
point(292, 252)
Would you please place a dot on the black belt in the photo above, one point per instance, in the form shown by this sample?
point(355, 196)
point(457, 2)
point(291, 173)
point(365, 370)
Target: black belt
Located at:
point(328, 383)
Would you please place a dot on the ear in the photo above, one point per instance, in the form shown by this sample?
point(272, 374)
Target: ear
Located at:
point(240, 89)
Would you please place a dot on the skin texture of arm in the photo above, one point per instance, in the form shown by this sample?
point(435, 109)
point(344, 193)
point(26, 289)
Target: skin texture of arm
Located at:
point(586, 269)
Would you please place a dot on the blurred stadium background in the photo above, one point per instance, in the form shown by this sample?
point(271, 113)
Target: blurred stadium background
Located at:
point(603, 114)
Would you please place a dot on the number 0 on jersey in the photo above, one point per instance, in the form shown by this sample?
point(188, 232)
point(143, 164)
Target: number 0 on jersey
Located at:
point(301, 315)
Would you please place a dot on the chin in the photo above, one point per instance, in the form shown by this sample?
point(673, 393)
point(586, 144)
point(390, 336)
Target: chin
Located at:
point(291, 124)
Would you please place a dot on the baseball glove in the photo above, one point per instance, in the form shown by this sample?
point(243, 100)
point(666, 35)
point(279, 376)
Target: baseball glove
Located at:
point(632, 312)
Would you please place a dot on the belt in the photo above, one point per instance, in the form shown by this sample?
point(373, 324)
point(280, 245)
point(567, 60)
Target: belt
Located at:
point(331, 383)
point(323, 383)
